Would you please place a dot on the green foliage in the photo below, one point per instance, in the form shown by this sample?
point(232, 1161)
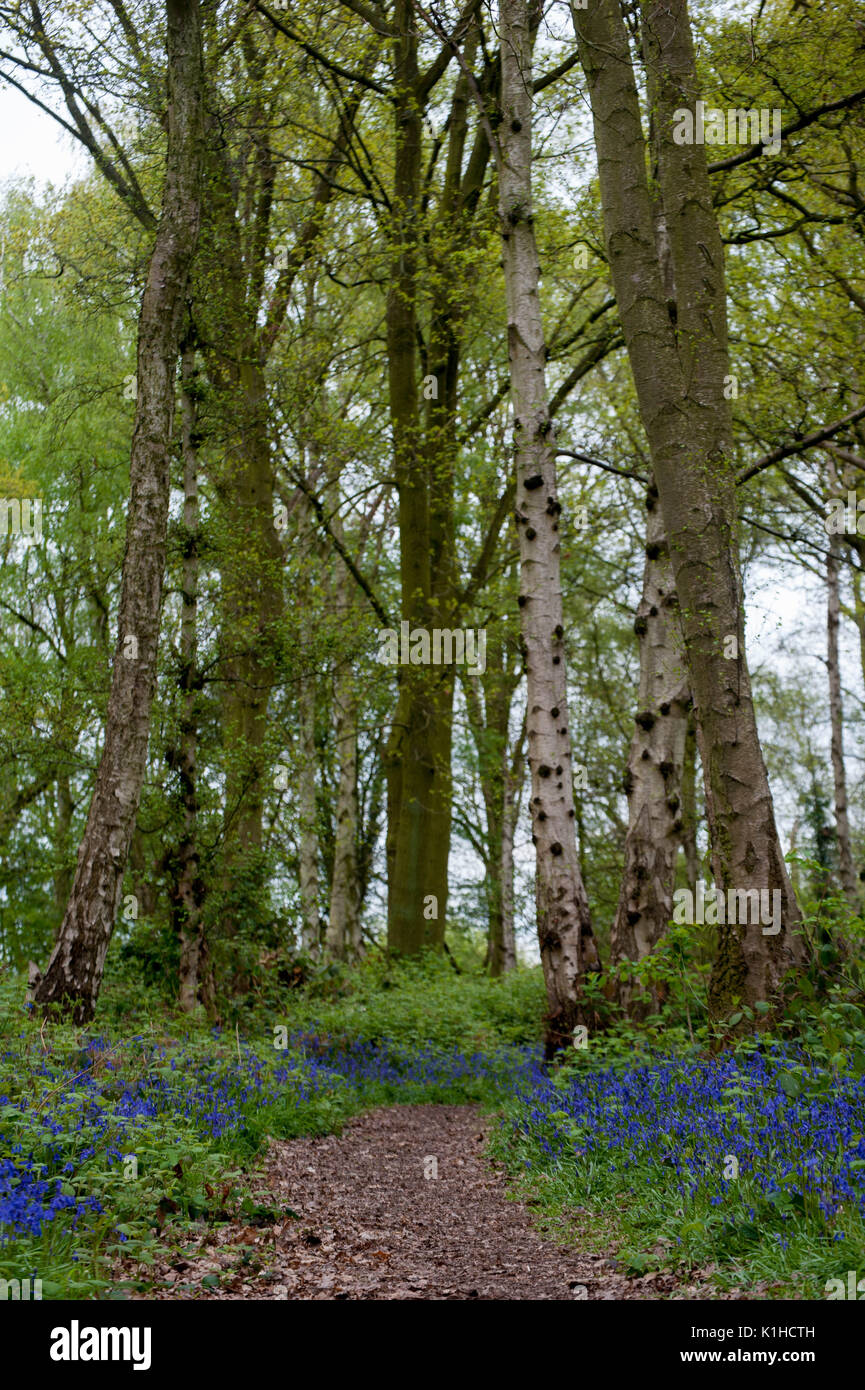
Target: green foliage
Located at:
point(411, 1001)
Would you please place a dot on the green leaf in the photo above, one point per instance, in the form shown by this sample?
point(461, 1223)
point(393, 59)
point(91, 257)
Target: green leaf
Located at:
point(637, 1262)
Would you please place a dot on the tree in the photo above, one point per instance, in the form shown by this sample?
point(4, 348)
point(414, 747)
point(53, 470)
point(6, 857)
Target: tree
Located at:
point(653, 779)
point(74, 972)
point(846, 872)
point(567, 944)
point(679, 358)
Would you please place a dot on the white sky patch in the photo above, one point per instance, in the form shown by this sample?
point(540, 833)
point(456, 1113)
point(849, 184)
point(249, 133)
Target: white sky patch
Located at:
point(34, 145)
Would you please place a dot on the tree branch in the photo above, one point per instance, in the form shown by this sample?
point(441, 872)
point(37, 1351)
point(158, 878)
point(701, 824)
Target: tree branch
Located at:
point(755, 151)
point(359, 578)
point(800, 445)
point(319, 57)
point(599, 463)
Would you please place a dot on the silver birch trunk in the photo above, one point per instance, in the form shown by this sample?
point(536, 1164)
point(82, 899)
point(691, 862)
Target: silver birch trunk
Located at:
point(565, 934)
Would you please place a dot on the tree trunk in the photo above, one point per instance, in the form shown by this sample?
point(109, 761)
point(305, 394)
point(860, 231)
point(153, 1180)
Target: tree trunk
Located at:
point(846, 871)
point(188, 886)
point(567, 945)
point(143, 873)
point(308, 817)
point(241, 323)
point(859, 604)
point(62, 826)
point(653, 778)
point(241, 526)
point(679, 360)
point(74, 971)
point(488, 699)
point(513, 767)
point(251, 573)
point(343, 928)
point(489, 721)
point(418, 755)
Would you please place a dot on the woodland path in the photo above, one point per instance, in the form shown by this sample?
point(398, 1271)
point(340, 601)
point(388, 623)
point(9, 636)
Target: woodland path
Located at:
point(371, 1226)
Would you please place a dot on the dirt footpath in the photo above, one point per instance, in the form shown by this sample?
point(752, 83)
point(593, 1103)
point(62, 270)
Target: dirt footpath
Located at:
point(402, 1204)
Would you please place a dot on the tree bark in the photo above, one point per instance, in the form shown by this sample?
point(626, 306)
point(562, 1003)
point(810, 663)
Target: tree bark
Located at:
point(689, 805)
point(859, 609)
point(419, 781)
point(679, 360)
point(513, 779)
point(242, 321)
point(143, 872)
point(62, 826)
point(653, 779)
point(343, 927)
point(567, 944)
point(74, 972)
point(187, 882)
point(846, 871)
point(418, 755)
point(489, 721)
point(308, 818)
point(250, 557)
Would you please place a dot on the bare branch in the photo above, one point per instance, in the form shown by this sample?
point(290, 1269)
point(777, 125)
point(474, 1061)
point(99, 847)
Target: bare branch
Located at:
point(599, 463)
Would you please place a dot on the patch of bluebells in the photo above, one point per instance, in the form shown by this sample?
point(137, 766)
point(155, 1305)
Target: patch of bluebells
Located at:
point(800, 1152)
point(362, 1064)
point(29, 1202)
point(93, 1110)
point(685, 1116)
